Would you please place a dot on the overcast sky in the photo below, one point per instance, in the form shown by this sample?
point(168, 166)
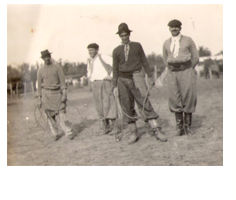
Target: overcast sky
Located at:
point(66, 30)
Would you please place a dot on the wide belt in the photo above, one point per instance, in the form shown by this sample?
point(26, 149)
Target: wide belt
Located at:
point(179, 66)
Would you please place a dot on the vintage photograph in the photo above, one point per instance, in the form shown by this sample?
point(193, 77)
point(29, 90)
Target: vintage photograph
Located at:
point(115, 85)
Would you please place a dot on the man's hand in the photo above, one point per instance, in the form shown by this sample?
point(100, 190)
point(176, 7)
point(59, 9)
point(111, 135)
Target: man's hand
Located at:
point(40, 101)
point(64, 96)
point(115, 92)
point(151, 82)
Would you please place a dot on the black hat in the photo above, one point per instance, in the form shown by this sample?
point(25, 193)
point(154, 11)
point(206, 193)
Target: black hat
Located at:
point(174, 23)
point(45, 53)
point(123, 27)
point(93, 45)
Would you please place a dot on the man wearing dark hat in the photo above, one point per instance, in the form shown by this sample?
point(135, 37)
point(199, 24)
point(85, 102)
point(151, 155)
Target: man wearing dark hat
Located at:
point(128, 60)
point(100, 77)
point(52, 96)
point(181, 56)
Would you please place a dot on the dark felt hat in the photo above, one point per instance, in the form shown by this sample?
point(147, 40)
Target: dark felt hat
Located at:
point(45, 53)
point(123, 27)
point(175, 23)
point(93, 45)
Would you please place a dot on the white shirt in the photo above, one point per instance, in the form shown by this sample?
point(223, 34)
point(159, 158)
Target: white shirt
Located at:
point(98, 72)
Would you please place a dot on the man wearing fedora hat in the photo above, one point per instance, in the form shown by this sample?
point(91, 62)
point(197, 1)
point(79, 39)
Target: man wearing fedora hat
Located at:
point(128, 61)
point(52, 96)
point(180, 57)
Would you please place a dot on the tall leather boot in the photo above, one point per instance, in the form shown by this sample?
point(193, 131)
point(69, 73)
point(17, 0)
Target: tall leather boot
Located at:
point(157, 130)
point(133, 136)
point(105, 127)
point(187, 123)
point(179, 123)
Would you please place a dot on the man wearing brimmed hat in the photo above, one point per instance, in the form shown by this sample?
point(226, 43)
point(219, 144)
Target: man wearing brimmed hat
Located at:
point(128, 60)
point(99, 67)
point(181, 56)
point(52, 96)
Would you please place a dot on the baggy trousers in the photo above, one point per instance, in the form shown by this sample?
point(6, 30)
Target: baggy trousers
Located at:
point(182, 90)
point(56, 112)
point(104, 99)
point(129, 94)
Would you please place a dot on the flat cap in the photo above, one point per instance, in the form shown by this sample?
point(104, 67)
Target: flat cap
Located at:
point(93, 45)
point(175, 23)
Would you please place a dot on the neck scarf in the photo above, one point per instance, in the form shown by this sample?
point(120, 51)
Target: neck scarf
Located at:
point(174, 47)
point(126, 50)
point(91, 61)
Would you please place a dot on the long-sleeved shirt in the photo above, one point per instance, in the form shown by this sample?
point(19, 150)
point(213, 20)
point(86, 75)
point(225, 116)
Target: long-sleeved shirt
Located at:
point(136, 60)
point(50, 77)
point(96, 70)
point(187, 51)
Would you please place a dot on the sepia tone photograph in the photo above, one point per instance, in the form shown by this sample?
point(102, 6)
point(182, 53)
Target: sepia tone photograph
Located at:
point(115, 85)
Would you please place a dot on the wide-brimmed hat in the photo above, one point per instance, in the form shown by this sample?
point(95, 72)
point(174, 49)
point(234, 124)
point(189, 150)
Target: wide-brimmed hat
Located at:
point(175, 23)
point(45, 53)
point(123, 27)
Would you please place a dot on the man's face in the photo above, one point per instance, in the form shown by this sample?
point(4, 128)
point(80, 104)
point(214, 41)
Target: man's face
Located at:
point(92, 52)
point(125, 37)
point(175, 31)
point(47, 59)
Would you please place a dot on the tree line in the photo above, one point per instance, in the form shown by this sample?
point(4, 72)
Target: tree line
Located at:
point(26, 73)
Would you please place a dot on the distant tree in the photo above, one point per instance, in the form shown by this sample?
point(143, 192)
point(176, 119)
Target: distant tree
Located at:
point(220, 53)
point(156, 60)
point(203, 51)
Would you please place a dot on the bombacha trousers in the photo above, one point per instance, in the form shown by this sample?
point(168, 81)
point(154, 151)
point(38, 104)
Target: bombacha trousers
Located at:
point(55, 112)
point(104, 99)
point(182, 90)
point(131, 91)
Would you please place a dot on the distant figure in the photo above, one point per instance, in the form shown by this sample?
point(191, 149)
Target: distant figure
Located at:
point(99, 75)
point(128, 81)
point(181, 56)
point(52, 95)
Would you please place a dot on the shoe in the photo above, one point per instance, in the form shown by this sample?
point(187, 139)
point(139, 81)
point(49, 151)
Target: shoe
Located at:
point(188, 131)
point(160, 135)
point(179, 123)
point(105, 126)
point(187, 123)
point(133, 136)
point(180, 131)
point(57, 137)
point(71, 136)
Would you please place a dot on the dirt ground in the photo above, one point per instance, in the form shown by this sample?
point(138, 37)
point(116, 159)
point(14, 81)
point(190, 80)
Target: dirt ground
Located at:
point(29, 145)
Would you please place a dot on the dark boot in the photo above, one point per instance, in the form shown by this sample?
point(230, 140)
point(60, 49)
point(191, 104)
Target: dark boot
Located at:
point(105, 126)
point(133, 136)
point(113, 127)
point(179, 123)
point(157, 130)
point(187, 123)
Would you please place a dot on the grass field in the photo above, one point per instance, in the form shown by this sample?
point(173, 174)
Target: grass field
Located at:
point(29, 145)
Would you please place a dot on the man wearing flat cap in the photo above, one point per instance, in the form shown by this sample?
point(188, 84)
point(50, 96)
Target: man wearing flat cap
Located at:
point(128, 61)
point(99, 67)
point(180, 57)
point(52, 96)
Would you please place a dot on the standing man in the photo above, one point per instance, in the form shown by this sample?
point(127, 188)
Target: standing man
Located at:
point(52, 95)
point(181, 56)
point(128, 60)
point(99, 75)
